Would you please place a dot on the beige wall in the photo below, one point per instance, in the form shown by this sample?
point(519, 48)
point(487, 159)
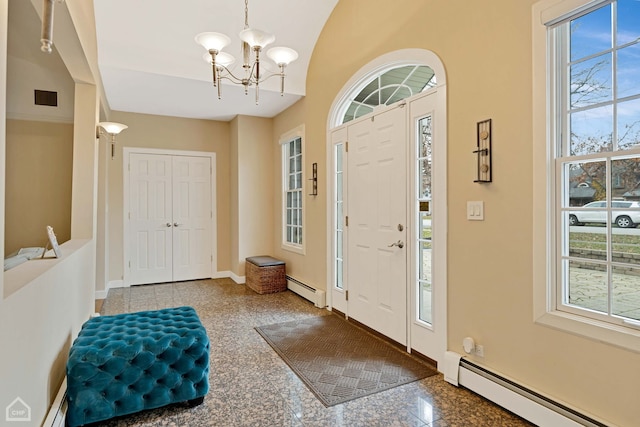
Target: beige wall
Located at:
point(485, 46)
point(38, 178)
point(253, 189)
point(256, 187)
point(170, 133)
point(38, 324)
point(4, 23)
point(39, 138)
point(44, 303)
point(234, 204)
point(29, 69)
point(310, 267)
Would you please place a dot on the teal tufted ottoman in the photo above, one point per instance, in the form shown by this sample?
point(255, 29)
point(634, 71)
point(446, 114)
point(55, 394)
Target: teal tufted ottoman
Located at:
point(130, 362)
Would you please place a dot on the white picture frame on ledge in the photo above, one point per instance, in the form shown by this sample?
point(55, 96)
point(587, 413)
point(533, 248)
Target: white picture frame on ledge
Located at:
point(53, 242)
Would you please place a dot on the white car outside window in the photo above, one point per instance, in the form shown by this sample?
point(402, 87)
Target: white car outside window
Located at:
point(595, 212)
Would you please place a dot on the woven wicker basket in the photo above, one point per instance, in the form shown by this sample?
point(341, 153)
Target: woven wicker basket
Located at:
point(265, 279)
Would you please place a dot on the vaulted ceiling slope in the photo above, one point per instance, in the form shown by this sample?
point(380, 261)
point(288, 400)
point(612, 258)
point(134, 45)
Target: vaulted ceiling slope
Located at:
point(150, 62)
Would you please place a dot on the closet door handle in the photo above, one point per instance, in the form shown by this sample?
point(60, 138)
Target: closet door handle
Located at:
point(175, 224)
point(168, 224)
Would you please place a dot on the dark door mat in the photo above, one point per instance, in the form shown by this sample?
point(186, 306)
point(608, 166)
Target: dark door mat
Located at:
point(339, 361)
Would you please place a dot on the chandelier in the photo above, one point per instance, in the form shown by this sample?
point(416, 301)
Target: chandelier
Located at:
point(253, 41)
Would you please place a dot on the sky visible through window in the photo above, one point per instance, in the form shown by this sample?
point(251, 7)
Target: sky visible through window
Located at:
point(604, 99)
point(599, 132)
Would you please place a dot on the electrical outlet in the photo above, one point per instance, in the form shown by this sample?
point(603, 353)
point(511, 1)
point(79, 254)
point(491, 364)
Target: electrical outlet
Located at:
point(479, 350)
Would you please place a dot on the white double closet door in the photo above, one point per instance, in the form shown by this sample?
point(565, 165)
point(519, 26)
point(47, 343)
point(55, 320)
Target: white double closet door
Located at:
point(169, 233)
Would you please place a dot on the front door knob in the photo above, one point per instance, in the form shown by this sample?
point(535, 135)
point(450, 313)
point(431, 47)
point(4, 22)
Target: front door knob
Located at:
point(399, 244)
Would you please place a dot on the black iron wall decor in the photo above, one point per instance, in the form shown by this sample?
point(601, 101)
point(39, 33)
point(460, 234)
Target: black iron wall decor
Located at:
point(483, 152)
point(314, 179)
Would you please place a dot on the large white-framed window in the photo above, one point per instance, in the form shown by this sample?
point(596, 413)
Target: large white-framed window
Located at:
point(587, 151)
point(292, 190)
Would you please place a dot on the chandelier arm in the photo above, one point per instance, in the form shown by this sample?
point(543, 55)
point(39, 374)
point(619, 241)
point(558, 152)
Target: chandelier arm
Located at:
point(234, 79)
point(229, 75)
point(254, 80)
point(265, 78)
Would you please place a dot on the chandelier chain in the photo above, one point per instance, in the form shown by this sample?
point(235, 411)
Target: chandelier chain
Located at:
point(246, 14)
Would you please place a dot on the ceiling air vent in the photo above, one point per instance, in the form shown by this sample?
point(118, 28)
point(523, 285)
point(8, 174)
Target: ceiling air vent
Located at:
point(45, 97)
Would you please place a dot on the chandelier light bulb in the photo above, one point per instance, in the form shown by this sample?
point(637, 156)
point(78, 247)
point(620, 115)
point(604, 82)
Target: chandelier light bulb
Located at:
point(256, 38)
point(213, 41)
point(282, 55)
point(223, 59)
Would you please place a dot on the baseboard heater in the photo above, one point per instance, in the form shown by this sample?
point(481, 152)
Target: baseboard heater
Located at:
point(518, 399)
point(316, 296)
point(58, 412)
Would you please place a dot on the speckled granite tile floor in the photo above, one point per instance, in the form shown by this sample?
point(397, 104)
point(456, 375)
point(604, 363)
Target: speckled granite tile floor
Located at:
point(251, 386)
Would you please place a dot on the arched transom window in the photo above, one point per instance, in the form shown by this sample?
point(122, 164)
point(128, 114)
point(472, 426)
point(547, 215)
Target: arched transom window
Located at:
point(386, 87)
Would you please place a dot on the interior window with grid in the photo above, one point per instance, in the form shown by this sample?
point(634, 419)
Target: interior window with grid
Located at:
point(596, 135)
point(292, 156)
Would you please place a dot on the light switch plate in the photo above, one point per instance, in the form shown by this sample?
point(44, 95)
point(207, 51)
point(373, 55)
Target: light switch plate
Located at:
point(475, 210)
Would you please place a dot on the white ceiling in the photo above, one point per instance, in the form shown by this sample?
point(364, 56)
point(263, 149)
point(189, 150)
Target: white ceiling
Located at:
point(151, 64)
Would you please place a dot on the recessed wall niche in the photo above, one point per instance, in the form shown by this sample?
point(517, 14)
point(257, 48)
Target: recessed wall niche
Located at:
point(39, 140)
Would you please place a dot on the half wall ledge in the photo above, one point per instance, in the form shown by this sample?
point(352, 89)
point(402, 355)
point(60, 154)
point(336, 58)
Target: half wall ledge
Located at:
point(25, 273)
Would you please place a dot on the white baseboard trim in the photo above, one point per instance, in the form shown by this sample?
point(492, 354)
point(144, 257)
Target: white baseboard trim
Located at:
point(229, 275)
point(110, 285)
point(221, 275)
point(116, 284)
point(520, 400)
point(217, 275)
point(238, 279)
point(56, 417)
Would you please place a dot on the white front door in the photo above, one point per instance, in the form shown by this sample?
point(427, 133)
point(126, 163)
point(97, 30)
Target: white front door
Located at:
point(395, 291)
point(169, 233)
point(377, 215)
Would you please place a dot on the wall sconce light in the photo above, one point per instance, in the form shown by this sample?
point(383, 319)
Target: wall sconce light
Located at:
point(111, 129)
point(314, 179)
point(483, 152)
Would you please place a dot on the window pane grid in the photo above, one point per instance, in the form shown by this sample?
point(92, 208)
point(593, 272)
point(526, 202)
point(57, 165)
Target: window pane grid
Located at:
point(423, 214)
point(388, 87)
point(338, 215)
point(598, 164)
point(293, 191)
